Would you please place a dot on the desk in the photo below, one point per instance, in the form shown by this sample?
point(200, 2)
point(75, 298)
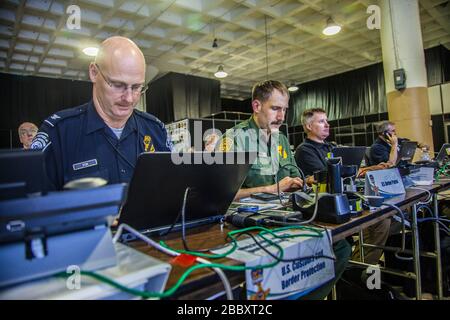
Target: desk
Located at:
point(203, 283)
point(412, 197)
point(133, 269)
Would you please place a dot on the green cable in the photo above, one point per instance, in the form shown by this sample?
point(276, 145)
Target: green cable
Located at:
point(318, 234)
point(441, 171)
point(262, 230)
point(201, 254)
point(171, 291)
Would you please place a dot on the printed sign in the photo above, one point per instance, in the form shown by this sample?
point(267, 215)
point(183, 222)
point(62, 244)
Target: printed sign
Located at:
point(386, 183)
point(304, 270)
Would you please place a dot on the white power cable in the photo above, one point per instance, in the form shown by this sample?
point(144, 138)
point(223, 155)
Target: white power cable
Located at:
point(170, 252)
point(428, 192)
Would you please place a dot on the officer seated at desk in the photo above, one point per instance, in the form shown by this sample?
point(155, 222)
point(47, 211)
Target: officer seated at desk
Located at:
point(311, 156)
point(270, 100)
point(387, 145)
point(103, 137)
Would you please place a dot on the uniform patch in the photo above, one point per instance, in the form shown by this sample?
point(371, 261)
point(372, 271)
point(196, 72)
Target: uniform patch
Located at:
point(282, 152)
point(226, 144)
point(40, 141)
point(84, 164)
point(148, 145)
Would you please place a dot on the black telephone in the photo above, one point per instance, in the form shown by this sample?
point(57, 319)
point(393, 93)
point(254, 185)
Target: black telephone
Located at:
point(387, 135)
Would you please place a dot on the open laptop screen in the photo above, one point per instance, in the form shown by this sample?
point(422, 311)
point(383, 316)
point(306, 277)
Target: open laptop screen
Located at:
point(407, 151)
point(444, 152)
point(22, 173)
point(350, 155)
point(158, 188)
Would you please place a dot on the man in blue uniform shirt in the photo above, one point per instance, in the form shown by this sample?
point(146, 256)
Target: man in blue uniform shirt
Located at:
point(103, 137)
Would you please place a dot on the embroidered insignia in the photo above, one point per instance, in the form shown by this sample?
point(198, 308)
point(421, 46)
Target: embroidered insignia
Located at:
point(148, 145)
point(41, 141)
point(282, 152)
point(226, 144)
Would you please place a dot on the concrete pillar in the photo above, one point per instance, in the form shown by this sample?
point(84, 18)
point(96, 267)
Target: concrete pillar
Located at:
point(402, 47)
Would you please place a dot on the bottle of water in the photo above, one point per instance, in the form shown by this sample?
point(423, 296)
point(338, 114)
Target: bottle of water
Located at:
point(425, 155)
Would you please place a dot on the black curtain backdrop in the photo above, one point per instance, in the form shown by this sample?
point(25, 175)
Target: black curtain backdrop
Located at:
point(437, 61)
point(177, 96)
point(359, 92)
point(345, 95)
point(237, 105)
point(159, 99)
point(33, 99)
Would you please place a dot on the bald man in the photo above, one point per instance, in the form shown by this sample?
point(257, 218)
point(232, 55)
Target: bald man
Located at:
point(103, 137)
point(27, 131)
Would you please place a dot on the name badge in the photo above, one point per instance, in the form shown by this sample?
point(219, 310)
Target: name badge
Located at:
point(84, 164)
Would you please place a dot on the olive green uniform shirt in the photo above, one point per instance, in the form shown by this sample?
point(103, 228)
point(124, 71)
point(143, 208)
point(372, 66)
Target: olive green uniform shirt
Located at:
point(270, 155)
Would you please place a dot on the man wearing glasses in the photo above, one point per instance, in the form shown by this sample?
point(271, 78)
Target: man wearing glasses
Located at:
point(103, 137)
point(27, 131)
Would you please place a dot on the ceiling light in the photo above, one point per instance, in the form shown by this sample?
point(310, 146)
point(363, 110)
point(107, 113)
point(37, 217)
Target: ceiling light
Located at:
point(220, 73)
point(90, 51)
point(292, 88)
point(331, 28)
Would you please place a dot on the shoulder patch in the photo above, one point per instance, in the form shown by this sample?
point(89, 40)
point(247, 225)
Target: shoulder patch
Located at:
point(41, 141)
point(64, 114)
point(226, 144)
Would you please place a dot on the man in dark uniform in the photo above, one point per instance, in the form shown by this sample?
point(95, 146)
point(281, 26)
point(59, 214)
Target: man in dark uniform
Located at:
point(386, 146)
point(270, 100)
point(312, 156)
point(103, 137)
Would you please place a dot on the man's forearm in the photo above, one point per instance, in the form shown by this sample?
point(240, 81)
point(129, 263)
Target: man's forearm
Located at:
point(244, 193)
point(393, 155)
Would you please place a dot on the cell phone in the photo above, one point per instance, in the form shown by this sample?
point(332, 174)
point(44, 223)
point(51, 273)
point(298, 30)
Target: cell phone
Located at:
point(265, 196)
point(387, 135)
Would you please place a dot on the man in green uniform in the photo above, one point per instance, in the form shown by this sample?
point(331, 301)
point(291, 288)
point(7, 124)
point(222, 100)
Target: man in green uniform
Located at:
point(260, 133)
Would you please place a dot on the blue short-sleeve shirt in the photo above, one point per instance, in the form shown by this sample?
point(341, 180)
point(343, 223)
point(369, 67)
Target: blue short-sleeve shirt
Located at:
point(77, 143)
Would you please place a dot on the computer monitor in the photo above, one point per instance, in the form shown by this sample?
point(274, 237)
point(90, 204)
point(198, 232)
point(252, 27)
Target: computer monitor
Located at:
point(407, 151)
point(22, 173)
point(350, 155)
point(443, 153)
point(158, 187)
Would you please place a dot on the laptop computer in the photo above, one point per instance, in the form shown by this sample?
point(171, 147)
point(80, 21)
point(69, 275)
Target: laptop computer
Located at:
point(407, 151)
point(443, 153)
point(22, 173)
point(350, 155)
point(158, 187)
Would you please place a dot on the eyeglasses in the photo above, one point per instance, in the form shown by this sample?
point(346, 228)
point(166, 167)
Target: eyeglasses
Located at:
point(23, 132)
point(120, 87)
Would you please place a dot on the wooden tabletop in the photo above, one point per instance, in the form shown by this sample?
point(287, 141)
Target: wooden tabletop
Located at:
point(204, 283)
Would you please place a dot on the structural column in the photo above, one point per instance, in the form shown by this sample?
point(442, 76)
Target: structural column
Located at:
point(402, 47)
